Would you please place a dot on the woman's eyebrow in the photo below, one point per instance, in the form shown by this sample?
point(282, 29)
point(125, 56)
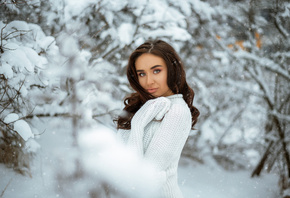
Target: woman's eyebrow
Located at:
point(156, 66)
point(141, 70)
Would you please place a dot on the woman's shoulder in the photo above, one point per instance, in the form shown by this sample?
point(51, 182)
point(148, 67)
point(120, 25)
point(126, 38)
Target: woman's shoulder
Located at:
point(178, 115)
point(178, 103)
point(179, 109)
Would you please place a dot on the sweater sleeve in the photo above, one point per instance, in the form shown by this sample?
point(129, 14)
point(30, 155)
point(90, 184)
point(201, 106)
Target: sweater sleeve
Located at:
point(168, 142)
point(155, 108)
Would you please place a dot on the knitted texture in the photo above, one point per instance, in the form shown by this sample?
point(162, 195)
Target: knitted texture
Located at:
point(159, 130)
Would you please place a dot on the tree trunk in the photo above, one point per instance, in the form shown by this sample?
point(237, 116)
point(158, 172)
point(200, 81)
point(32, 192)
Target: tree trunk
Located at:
point(261, 164)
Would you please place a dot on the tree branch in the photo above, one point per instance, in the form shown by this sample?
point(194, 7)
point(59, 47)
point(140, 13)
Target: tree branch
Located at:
point(2, 194)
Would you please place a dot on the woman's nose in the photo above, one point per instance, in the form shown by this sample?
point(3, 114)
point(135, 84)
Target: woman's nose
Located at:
point(150, 79)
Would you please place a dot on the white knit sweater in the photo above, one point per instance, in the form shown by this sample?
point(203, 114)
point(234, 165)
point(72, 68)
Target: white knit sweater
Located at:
point(158, 133)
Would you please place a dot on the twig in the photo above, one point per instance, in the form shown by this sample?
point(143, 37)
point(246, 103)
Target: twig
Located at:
point(29, 116)
point(11, 100)
point(16, 30)
point(236, 117)
point(23, 117)
point(7, 125)
point(38, 134)
point(13, 3)
point(5, 188)
point(2, 32)
point(4, 88)
point(47, 115)
point(96, 34)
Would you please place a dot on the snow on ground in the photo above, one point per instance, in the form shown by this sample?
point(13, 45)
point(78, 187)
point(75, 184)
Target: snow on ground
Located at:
point(196, 181)
point(203, 181)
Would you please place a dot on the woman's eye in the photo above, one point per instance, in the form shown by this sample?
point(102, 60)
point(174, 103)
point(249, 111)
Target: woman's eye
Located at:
point(141, 74)
point(156, 71)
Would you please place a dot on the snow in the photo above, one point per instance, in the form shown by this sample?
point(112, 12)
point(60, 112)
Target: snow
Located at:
point(75, 7)
point(34, 2)
point(43, 66)
point(263, 62)
point(115, 163)
point(34, 58)
point(37, 33)
point(23, 129)
point(203, 181)
point(18, 25)
point(6, 70)
point(110, 17)
point(203, 8)
point(286, 11)
point(19, 63)
point(68, 45)
point(12, 117)
point(251, 134)
point(46, 42)
point(233, 137)
point(252, 155)
point(23, 91)
point(286, 193)
point(32, 146)
point(195, 180)
point(173, 31)
point(114, 5)
point(209, 133)
point(125, 32)
point(11, 6)
point(184, 6)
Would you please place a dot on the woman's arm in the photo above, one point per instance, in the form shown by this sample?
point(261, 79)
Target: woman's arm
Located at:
point(168, 142)
point(152, 109)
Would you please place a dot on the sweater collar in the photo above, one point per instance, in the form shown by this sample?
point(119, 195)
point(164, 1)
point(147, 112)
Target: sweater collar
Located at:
point(175, 97)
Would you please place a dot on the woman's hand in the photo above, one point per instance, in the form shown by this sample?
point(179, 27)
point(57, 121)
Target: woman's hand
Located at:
point(152, 109)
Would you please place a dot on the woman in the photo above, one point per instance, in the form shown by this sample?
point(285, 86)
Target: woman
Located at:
point(160, 115)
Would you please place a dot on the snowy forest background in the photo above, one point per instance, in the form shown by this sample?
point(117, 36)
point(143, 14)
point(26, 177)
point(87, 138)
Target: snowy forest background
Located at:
point(62, 82)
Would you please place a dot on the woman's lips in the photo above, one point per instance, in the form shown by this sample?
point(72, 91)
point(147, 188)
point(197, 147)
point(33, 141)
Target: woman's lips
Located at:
point(152, 90)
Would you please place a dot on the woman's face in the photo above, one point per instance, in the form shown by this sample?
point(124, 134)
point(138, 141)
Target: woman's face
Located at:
point(152, 74)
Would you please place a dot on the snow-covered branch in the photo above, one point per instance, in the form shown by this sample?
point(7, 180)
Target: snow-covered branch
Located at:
point(263, 62)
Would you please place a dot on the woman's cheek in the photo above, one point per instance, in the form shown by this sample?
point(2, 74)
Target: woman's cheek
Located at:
point(141, 82)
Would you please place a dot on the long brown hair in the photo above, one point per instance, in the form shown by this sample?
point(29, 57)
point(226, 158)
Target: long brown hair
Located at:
point(176, 81)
